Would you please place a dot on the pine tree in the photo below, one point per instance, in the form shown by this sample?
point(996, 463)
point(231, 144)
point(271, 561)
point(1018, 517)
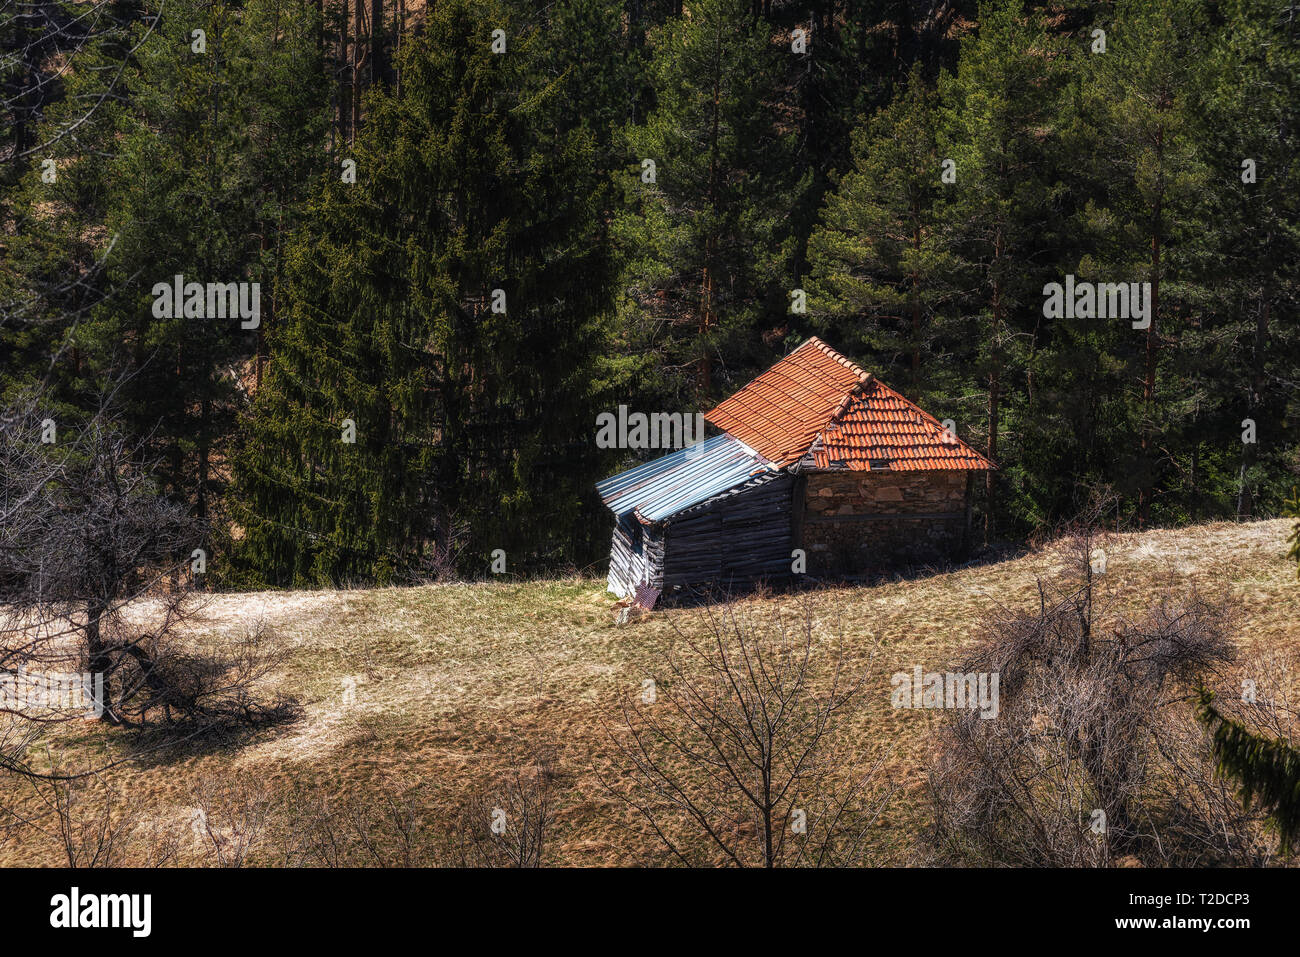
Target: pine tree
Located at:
point(193, 195)
point(1143, 97)
point(998, 111)
point(706, 233)
point(591, 54)
point(847, 67)
point(879, 277)
point(452, 305)
point(193, 164)
point(52, 261)
point(1251, 239)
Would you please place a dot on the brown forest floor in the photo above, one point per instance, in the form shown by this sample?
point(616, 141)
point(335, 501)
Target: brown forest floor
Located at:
point(455, 683)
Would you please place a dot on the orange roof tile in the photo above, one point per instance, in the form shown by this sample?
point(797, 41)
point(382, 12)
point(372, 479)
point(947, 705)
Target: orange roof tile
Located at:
point(780, 413)
point(817, 399)
point(880, 425)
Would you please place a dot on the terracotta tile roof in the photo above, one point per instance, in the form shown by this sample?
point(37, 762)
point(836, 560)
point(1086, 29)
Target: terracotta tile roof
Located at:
point(780, 413)
point(817, 399)
point(880, 426)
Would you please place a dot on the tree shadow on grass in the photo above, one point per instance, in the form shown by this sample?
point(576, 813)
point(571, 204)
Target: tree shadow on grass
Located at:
point(161, 742)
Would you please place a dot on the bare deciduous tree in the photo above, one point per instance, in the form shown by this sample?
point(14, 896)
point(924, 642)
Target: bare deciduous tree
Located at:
point(385, 827)
point(508, 825)
point(229, 818)
point(94, 578)
point(730, 753)
point(95, 827)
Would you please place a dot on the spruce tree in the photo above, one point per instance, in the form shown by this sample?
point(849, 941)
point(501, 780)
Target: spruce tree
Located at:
point(1142, 99)
point(52, 257)
point(1250, 243)
point(224, 131)
point(193, 164)
point(1000, 206)
point(1266, 771)
point(448, 312)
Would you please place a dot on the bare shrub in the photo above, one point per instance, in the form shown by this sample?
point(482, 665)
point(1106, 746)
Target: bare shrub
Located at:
point(1094, 758)
point(93, 570)
point(439, 559)
point(95, 827)
point(203, 683)
point(733, 757)
point(89, 832)
point(229, 818)
point(394, 824)
point(386, 827)
point(508, 825)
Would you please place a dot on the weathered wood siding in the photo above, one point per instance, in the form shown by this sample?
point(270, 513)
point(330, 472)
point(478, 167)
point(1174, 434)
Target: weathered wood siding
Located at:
point(637, 555)
point(733, 539)
point(856, 521)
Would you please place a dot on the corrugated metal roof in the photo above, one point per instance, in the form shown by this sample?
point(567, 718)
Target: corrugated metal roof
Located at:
point(673, 482)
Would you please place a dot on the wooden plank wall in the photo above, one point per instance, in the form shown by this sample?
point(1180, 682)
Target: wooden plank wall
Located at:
point(636, 555)
point(733, 539)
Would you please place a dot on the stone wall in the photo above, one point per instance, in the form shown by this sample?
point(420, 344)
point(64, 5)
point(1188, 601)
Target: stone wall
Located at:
point(855, 522)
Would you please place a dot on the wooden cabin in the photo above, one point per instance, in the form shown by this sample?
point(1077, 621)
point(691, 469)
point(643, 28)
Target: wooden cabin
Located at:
point(815, 454)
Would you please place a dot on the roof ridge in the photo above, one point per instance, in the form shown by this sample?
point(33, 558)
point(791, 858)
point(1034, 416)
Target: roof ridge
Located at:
point(839, 357)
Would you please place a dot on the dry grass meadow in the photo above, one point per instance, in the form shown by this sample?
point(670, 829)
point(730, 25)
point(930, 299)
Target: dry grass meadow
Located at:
point(455, 684)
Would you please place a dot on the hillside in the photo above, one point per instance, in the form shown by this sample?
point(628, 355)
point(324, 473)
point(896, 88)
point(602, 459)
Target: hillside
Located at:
point(455, 683)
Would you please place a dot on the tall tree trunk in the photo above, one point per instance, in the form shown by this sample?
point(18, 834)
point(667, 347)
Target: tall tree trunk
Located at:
point(769, 822)
point(995, 390)
point(378, 64)
point(1194, 476)
point(358, 13)
point(990, 485)
point(1245, 498)
point(705, 381)
point(916, 306)
point(205, 441)
point(1152, 344)
point(341, 69)
point(260, 358)
point(397, 44)
point(99, 662)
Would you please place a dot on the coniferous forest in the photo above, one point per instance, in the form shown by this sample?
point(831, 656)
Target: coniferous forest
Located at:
point(474, 226)
point(353, 351)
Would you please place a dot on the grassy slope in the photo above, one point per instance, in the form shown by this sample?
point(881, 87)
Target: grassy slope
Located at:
point(455, 682)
